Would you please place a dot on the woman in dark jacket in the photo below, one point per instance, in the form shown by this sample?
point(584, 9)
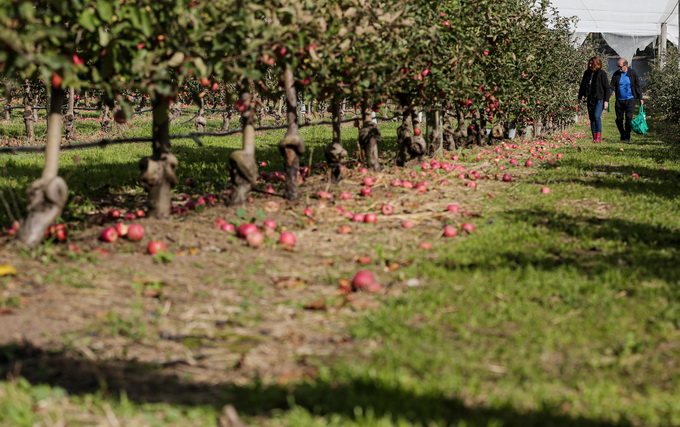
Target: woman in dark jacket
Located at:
point(596, 91)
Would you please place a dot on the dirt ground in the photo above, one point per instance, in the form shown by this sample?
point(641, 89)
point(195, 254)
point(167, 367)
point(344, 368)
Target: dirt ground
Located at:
point(220, 311)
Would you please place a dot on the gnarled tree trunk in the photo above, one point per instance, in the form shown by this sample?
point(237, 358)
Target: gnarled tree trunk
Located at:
point(242, 165)
point(46, 196)
point(369, 138)
point(29, 120)
point(335, 153)
point(291, 146)
point(409, 136)
point(105, 118)
point(434, 132)
point(200, 121)
point(159, 172)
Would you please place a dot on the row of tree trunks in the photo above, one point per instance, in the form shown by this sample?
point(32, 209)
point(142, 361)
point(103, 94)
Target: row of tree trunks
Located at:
point(409, 137)
point(46, 196)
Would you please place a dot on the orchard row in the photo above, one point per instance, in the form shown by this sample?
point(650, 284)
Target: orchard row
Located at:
point(470, 65)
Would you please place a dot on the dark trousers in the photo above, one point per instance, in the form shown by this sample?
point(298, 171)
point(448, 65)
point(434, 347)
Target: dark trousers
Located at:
point(626, 108)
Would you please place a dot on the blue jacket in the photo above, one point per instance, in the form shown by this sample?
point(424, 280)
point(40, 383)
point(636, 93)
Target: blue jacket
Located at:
point(634, 83)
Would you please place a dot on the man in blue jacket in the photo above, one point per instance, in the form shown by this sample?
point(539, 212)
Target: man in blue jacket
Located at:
point(626, 86)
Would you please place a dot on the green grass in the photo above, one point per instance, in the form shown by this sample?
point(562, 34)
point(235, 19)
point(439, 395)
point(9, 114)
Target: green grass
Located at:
point(563, 309)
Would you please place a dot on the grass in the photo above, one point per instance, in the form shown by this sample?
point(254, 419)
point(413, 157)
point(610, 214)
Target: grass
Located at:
point(564, 309)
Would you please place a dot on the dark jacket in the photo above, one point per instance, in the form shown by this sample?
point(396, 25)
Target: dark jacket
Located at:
point(634, 83)
point(596, 88)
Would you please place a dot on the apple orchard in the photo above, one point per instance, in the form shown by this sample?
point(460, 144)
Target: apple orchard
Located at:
point(455, 73)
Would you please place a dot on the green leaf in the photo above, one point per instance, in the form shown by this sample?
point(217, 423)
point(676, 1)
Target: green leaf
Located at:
point(104, 10)
point(241, 213)
point(87, 20)
point(104, 37)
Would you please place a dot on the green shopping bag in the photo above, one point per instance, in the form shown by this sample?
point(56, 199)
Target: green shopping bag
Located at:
point(639, 123)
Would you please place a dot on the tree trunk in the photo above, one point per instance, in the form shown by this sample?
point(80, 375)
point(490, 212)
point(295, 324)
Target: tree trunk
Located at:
point(242, 165)
point(226, 117)
point(292, 146)
point(105, 118)
point(369, 139)
point(8, 103)
point(200, 121)
point(69, 118)
point(334, 152)
point(46, 196)
point(434, 132)
point(29, 120)
point(158, 172)
point(409, 137)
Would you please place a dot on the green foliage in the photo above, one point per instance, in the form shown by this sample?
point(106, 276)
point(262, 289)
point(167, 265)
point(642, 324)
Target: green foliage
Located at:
point(663, 87)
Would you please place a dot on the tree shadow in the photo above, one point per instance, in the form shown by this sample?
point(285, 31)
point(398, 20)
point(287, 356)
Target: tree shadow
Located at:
point(148, 384)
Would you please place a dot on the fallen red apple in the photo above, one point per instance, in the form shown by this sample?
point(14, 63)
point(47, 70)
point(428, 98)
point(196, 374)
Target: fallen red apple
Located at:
point(545, 190)
point(344, 229)
point(357, 218)
point(387, 209)
point(246, 228)
point(287, 238)
point(228, 227)
point(109, 234)
point(135, 232)
point(468, 227)
point(528, 163)
point(364, 260)
point(121, 229)
point(362, 280)
point(345, 195)
point(471, 184)
point(368, 181)
point(255, 239)
point(450, 231)
point(408, 224)
point(507, 177)
point(425, 245)
point(366, 191)
point(155, 247)
point(218, 222)
point(453, 208)
point(370, 218)
point(269, 224)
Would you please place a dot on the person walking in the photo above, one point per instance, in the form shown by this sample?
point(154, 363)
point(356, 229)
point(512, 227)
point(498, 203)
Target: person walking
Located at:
point(595, 91)
point(626, 86)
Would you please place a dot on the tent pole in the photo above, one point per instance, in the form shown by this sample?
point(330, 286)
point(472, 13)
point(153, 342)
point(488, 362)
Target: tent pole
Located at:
point(662, 44)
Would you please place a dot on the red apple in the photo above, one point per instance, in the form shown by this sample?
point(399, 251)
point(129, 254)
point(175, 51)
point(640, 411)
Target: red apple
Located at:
point(114, 213)
point(56, 80)
point(344, 229)
point(507, 177)
point(408, 224)
point(366, 191)
point(368, 181)
point(255, 239)
point(528, 163)
point(417, 131)
point(156, 246)
point(287, 238)
point(545, 190)
point(370, 218)
point(246, 228)
point(471, 184)
point(228, 227)
point(364, 260)
point(218, 222)
point(362, 280)
point(109, 234)
point(345, 195)
point(425, 245)
point(121, 229)
point(135, 232)
point(453, 208)
point(357, 218)
point(387, 209)
point(450, 231)
point(269, 224)
point(468, 227)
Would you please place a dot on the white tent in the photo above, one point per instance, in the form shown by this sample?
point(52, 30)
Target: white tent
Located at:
point(626, 25)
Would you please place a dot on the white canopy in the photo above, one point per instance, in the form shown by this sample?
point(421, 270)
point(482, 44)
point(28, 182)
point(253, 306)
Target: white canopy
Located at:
point(626, 25)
